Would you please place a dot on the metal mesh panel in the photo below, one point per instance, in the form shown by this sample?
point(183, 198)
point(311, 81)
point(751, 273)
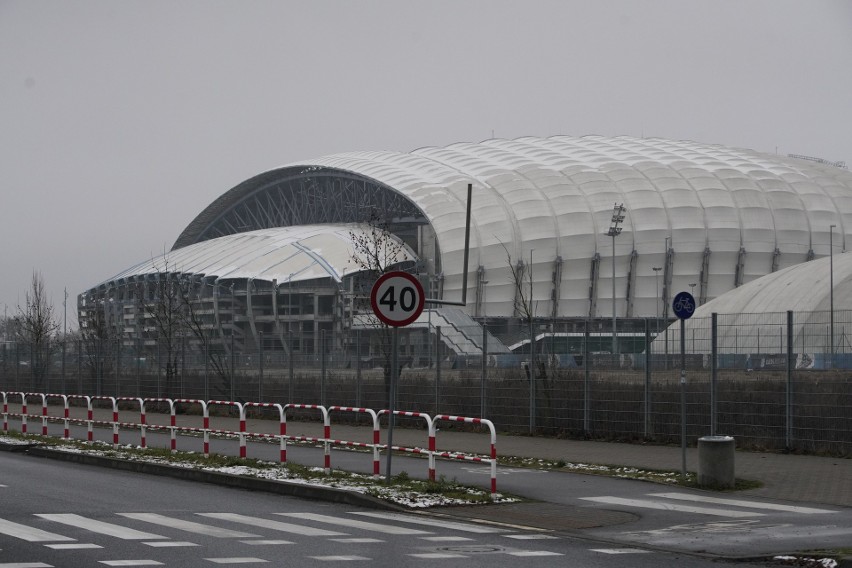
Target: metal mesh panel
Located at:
point(775, 383)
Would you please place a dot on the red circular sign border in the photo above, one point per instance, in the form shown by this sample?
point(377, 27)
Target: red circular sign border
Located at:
point(420, 305)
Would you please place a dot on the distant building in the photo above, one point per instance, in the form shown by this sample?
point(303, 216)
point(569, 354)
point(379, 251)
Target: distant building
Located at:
point(273, 253)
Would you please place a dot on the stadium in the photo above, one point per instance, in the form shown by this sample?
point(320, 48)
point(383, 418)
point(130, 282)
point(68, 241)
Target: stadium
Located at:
point(589, 229)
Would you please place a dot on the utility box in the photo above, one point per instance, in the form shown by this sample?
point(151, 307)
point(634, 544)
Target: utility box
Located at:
point(716, 462)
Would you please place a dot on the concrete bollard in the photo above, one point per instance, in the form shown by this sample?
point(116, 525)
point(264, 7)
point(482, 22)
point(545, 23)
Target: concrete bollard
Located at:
point(716, 462)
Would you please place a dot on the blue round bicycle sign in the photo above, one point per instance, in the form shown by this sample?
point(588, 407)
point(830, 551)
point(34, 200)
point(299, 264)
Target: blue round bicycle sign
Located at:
point(683, 305)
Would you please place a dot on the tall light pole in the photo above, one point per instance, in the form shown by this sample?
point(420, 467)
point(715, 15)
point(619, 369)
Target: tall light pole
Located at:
point(831, 288)
point(656, 270)
point(614, 231)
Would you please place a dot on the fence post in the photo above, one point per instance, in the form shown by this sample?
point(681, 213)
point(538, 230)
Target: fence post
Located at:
point(586, 379)
point(118, 367)
point(484, 376)
point(437, 367)
point(714, 369)
point(647, 378)
point(260, 363)
point(79, 366)
point(233, 365)
point(790, 364)
point(358, 368)
point(323, 366)
point(290, 362)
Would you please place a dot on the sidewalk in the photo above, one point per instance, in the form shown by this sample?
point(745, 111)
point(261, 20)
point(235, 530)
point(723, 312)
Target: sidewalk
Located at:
point(810, 479)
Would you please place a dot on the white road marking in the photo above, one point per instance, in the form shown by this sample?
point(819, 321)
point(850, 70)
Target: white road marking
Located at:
point(363, 525)
point(99, 527)
point(26, 565)
point(30, 534)
point(130, 562)
point(334, 558)
point(446, 538)
point(267, 541)
point(356, 540)
point(437, 555)
point(431, 522)
point(241, 560)
point(169, 543)
point(742, 503)
point(620, 550)
point(486, 470)
point(645, 504)
point(188, 526)
point(73, 546)
point(274, 525)
point(534, 553)
point(531, 536)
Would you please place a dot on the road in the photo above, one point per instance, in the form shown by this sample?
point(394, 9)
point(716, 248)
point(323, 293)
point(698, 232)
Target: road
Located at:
point(70, 515)
point(670, 518)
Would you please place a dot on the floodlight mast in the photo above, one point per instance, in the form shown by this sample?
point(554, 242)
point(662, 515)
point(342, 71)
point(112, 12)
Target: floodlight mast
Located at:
point(466, 256)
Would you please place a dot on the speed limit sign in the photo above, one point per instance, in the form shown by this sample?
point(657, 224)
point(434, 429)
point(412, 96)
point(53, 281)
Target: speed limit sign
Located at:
point(397, 298)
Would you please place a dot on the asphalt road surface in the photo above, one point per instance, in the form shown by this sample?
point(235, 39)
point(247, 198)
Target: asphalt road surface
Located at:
point(69, 515)
point(669, 518)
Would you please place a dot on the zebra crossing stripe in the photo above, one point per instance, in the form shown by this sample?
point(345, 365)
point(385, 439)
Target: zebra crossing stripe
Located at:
point(741, 503)
point(188, 526)
point(620, 550)
point(130, 562)
point(26, 565)
point(431, 522)
point(30, 534)
point(237, 560)
point(99, 527)
point(352, 523)
point(659, 505)
point(269, 524)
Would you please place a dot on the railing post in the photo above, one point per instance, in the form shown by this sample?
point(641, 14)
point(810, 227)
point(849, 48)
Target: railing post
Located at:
point(5, 412)
point(23, 413)
point(143, 423)
point(43, 414)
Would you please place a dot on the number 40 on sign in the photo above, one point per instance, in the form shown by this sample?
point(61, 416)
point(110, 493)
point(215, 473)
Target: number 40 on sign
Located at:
point(397, 298)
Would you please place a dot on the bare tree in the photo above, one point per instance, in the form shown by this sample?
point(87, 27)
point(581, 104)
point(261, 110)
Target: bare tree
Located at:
point(539, 370)
point(160, 302)
point(193, 322)
point(169, 303)
point(35, 326)
point(376, 252)
point(96, 335)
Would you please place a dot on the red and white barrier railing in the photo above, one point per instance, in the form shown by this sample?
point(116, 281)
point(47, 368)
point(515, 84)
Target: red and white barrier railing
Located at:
point(459, 456)
point(282, 428)
point(430, 453)
point(375, 445)
point(205, 430)
point(326, 425)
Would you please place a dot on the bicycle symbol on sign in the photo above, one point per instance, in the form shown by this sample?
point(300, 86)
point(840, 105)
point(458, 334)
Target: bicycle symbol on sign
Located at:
point(683, 305)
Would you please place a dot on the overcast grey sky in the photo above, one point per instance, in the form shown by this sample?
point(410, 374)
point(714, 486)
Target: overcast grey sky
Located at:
point(121, 120)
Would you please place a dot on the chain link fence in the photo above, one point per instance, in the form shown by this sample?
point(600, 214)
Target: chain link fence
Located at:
point(775, 381)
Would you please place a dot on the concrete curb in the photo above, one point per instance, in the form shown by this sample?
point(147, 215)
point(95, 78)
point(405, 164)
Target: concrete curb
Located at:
point(277, 487)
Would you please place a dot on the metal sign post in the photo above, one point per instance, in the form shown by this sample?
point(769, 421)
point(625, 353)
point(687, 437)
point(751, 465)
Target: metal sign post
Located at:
point(683, 306)
point(397, 299)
